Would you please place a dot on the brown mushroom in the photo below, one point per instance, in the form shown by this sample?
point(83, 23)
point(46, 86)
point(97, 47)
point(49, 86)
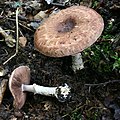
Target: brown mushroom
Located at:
point(68, 32)
point(19, 76)
point(18, 85)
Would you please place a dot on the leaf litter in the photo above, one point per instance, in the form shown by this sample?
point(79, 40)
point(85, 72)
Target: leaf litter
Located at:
point(94, 96)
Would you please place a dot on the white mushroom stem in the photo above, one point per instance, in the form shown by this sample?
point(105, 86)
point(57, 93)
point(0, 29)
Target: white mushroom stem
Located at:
point(62, 93)
point(77, 62)
point(37, 89)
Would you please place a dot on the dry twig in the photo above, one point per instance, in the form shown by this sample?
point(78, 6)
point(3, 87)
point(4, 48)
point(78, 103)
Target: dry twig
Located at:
point(102, 84)
point(17, 38)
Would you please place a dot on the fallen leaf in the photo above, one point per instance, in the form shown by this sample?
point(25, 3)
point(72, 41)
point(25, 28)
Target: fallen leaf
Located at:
point(10, 41)
point(2, 89)
point(49, 1)
point(22, 41)
point(3, 71)
point(41, 15)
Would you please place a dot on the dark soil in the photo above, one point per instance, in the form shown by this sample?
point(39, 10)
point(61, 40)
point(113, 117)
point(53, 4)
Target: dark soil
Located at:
point(90, 100)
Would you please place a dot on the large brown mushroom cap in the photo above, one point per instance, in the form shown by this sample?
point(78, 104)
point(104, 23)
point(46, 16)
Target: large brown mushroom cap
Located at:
point(69, 31)
point(19, 76)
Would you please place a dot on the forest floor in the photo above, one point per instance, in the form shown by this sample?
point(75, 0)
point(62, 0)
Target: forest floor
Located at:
point(95, 90)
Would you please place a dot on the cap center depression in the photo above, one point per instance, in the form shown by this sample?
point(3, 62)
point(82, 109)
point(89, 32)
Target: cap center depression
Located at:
point(66, 26)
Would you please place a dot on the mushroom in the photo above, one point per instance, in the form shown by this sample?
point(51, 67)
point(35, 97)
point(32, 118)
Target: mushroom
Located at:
point(69, 32)
point(19, 76)
point(18, 85)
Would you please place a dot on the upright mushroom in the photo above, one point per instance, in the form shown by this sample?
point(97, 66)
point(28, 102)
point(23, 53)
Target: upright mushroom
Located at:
point(69, 32)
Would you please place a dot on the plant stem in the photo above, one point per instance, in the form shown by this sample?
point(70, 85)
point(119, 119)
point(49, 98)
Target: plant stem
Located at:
point(17, 38)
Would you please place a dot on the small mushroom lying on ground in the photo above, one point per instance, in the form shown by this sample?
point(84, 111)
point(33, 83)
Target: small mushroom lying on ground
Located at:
point(69, 32)
point(18, 85)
